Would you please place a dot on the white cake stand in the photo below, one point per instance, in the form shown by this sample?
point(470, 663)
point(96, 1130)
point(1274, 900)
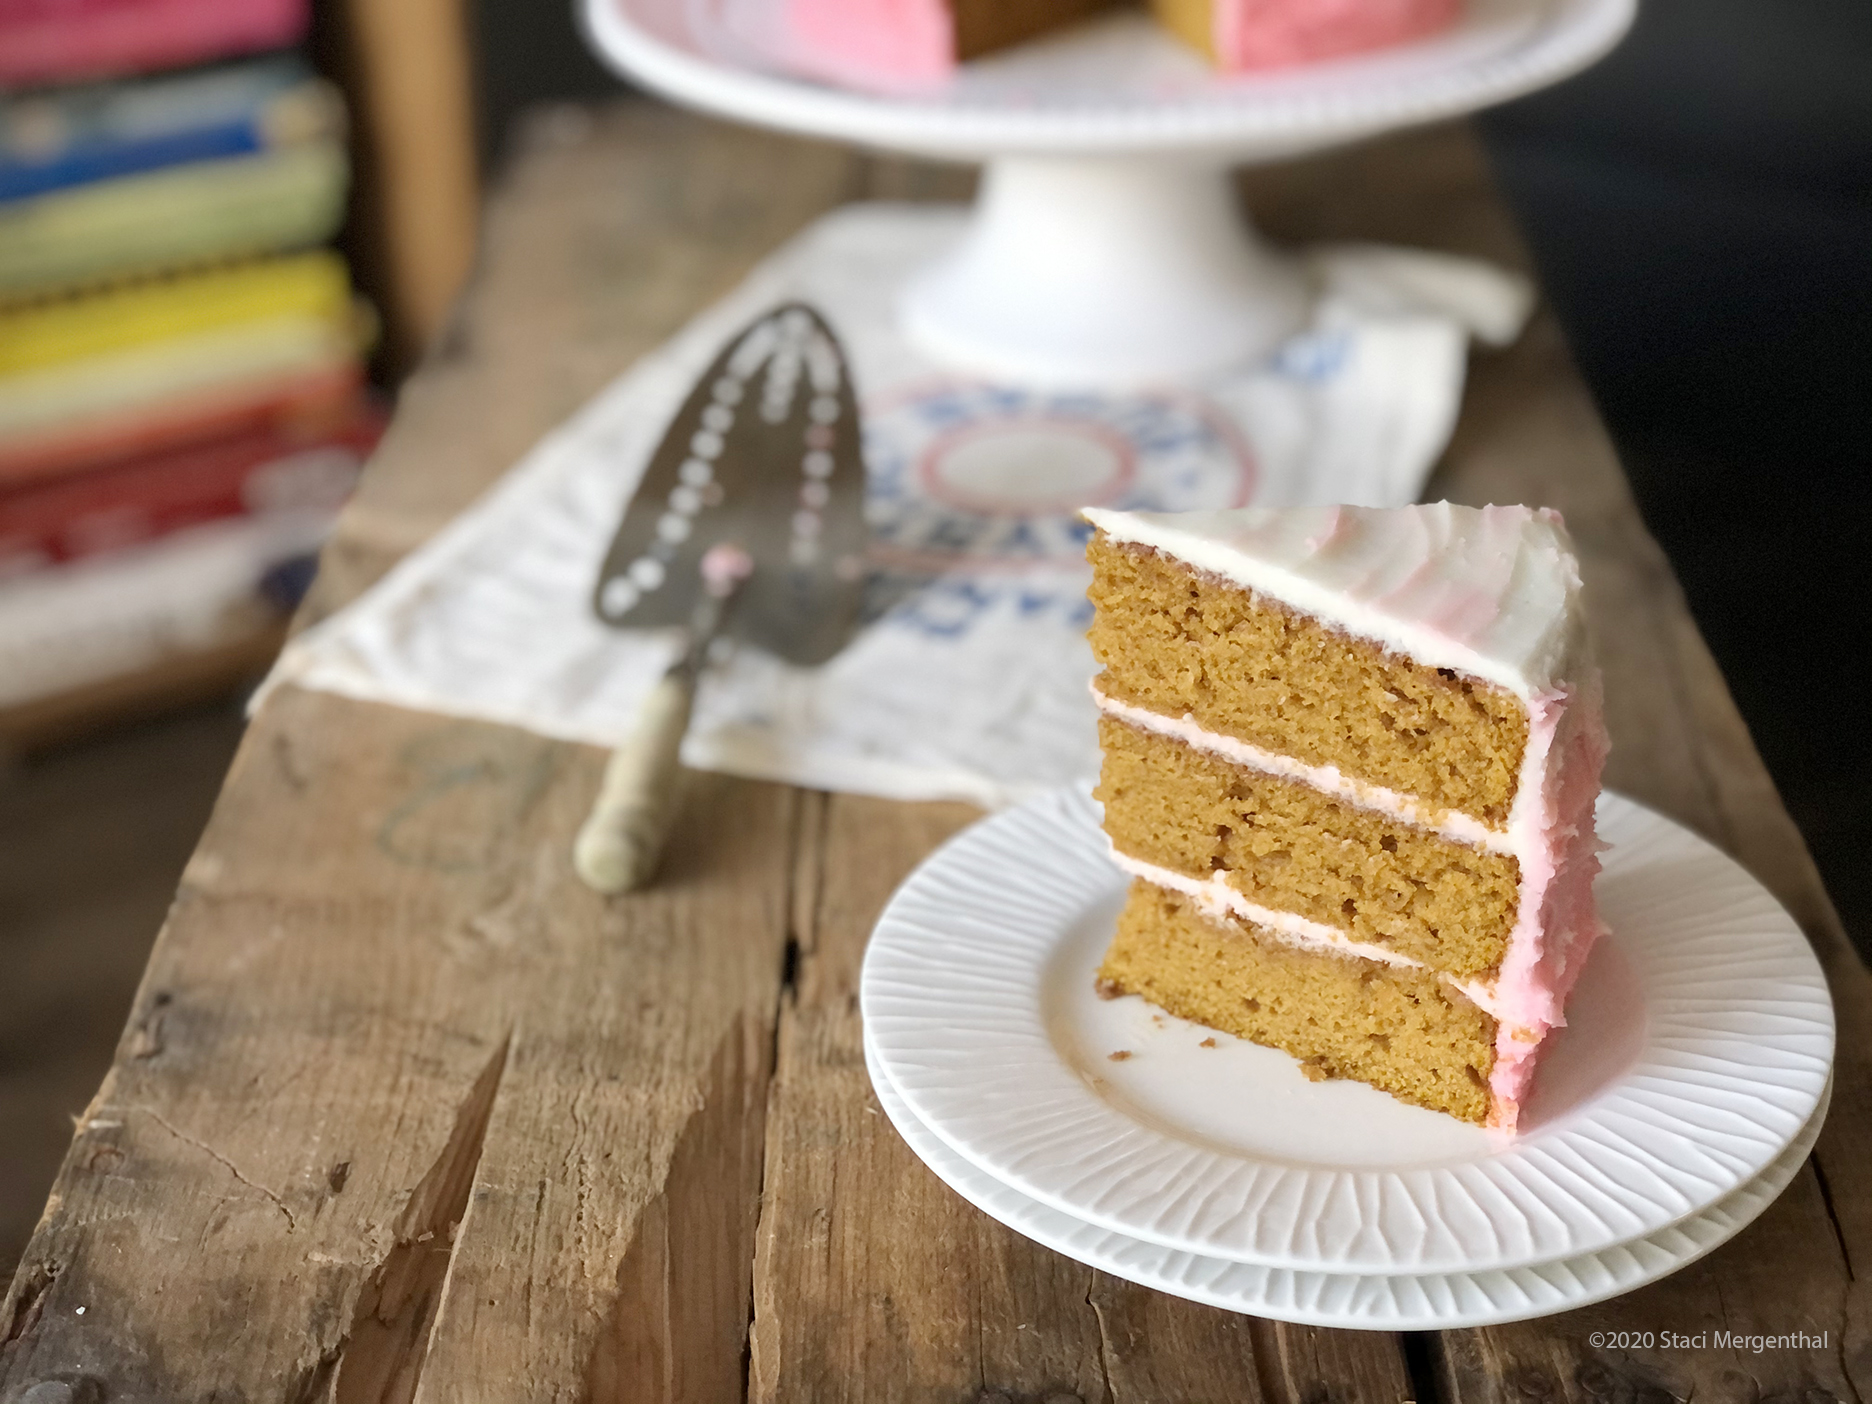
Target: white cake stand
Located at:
point(1107, 248)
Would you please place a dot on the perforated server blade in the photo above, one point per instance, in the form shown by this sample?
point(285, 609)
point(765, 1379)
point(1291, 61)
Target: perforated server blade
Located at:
point(765, 454)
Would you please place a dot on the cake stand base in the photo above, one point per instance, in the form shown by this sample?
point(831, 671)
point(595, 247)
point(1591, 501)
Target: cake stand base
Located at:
point(1105, 272)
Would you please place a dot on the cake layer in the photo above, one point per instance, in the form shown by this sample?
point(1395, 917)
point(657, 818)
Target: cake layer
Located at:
point(1287, 846)
point(983, 26)
point(1179, 642)
point(1402, 1030)
point(1192, 21)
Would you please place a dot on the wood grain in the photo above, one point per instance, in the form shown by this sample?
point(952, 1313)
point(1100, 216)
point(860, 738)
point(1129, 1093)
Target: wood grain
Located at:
point(405, 1113)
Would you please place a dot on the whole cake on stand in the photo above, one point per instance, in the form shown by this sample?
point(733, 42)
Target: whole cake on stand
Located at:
point(1108, 247)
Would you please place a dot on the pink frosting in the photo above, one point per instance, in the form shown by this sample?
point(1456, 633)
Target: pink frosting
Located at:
point(1558, 919)
point(887, 45)
point(1261, 34)
point(907, 46)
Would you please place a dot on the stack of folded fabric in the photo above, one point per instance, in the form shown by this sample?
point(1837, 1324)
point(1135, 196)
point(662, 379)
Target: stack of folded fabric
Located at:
point(182, 396)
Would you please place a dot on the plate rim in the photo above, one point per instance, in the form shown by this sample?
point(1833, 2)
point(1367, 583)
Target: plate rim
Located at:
point(1532, 1188)
point(1741, 1208)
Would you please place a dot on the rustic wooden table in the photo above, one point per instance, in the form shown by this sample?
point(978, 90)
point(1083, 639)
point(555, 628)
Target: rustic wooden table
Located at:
point(403, 1111)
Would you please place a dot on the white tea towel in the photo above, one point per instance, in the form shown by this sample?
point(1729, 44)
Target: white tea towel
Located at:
point(968, 676)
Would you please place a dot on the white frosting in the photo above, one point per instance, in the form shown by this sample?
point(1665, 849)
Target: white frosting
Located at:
point(1487, 591)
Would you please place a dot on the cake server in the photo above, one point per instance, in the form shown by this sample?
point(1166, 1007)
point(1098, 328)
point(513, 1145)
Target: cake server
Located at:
point(748, 523)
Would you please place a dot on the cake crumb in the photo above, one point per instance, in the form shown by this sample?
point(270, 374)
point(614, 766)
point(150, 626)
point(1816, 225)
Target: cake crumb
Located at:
point(1120, 1055)
point(1314, 1070)
point(1207, 1043)
point(1107, 988)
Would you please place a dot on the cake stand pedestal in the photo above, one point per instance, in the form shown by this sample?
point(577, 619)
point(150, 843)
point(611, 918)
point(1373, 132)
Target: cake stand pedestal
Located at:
point(1107, 248)
point(1100, 271)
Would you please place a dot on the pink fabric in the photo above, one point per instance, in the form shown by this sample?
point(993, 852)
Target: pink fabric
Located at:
point(58, 41)
point(885, 45)
point(1252, 35)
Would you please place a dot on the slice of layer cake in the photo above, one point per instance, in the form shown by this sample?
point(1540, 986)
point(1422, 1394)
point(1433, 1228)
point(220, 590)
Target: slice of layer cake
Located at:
point(906, 45)
point(1351, 757)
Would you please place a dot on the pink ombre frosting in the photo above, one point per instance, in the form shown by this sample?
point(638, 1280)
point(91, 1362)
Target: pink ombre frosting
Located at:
point(1252, 35)
point(1491, 592)
point(907, 46)
point(887, 45)
point(1553, 840)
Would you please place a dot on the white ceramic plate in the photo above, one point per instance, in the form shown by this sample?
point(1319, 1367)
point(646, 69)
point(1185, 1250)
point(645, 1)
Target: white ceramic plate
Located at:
point(1700, 1039)
point(1395, 1303)
point(1110, 86)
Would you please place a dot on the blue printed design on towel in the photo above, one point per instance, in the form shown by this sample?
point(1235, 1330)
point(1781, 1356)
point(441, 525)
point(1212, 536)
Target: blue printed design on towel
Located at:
point(988, 478)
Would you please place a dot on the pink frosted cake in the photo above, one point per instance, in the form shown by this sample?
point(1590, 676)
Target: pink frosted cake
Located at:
point(905, 45)
point(1351, 758)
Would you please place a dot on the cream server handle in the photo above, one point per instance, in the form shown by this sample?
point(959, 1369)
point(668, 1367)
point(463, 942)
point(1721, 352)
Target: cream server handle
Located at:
point(622, 838)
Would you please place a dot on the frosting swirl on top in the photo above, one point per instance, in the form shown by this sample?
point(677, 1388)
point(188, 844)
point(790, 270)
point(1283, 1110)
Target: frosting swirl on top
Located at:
point(1492, 592)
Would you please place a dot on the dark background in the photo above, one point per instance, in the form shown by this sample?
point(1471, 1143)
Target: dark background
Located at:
point(1700, 206)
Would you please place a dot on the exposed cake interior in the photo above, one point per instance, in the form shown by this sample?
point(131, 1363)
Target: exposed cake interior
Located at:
point(1285, 847)
point(985, 26)
point(1399, 1029)
point(1367, 736)
point(1178, 642)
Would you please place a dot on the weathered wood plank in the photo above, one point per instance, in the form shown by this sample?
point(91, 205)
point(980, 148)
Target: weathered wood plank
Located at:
point(381, 983)
point(872, 1279)
point(607, 1249)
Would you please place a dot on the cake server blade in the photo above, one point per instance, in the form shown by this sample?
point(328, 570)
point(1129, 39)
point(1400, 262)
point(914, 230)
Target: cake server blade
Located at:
point(765, 454)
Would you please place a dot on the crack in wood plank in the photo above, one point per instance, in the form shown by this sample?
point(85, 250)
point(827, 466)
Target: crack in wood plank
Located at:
point(1105, 1362)
point(28, 1294)
point(677, 1283)
point(1421, 1366)
point(380, 1359)
point(292, 1222)
point(1839, 1230)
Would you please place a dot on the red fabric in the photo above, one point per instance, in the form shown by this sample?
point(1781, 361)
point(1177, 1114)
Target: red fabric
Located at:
point(318, 398)
point(269, 467)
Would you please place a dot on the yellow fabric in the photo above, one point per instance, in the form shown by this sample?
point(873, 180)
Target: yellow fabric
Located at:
point(311, 285)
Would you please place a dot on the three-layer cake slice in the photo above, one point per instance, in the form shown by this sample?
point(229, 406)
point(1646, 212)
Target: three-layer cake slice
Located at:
point(1351, 758)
